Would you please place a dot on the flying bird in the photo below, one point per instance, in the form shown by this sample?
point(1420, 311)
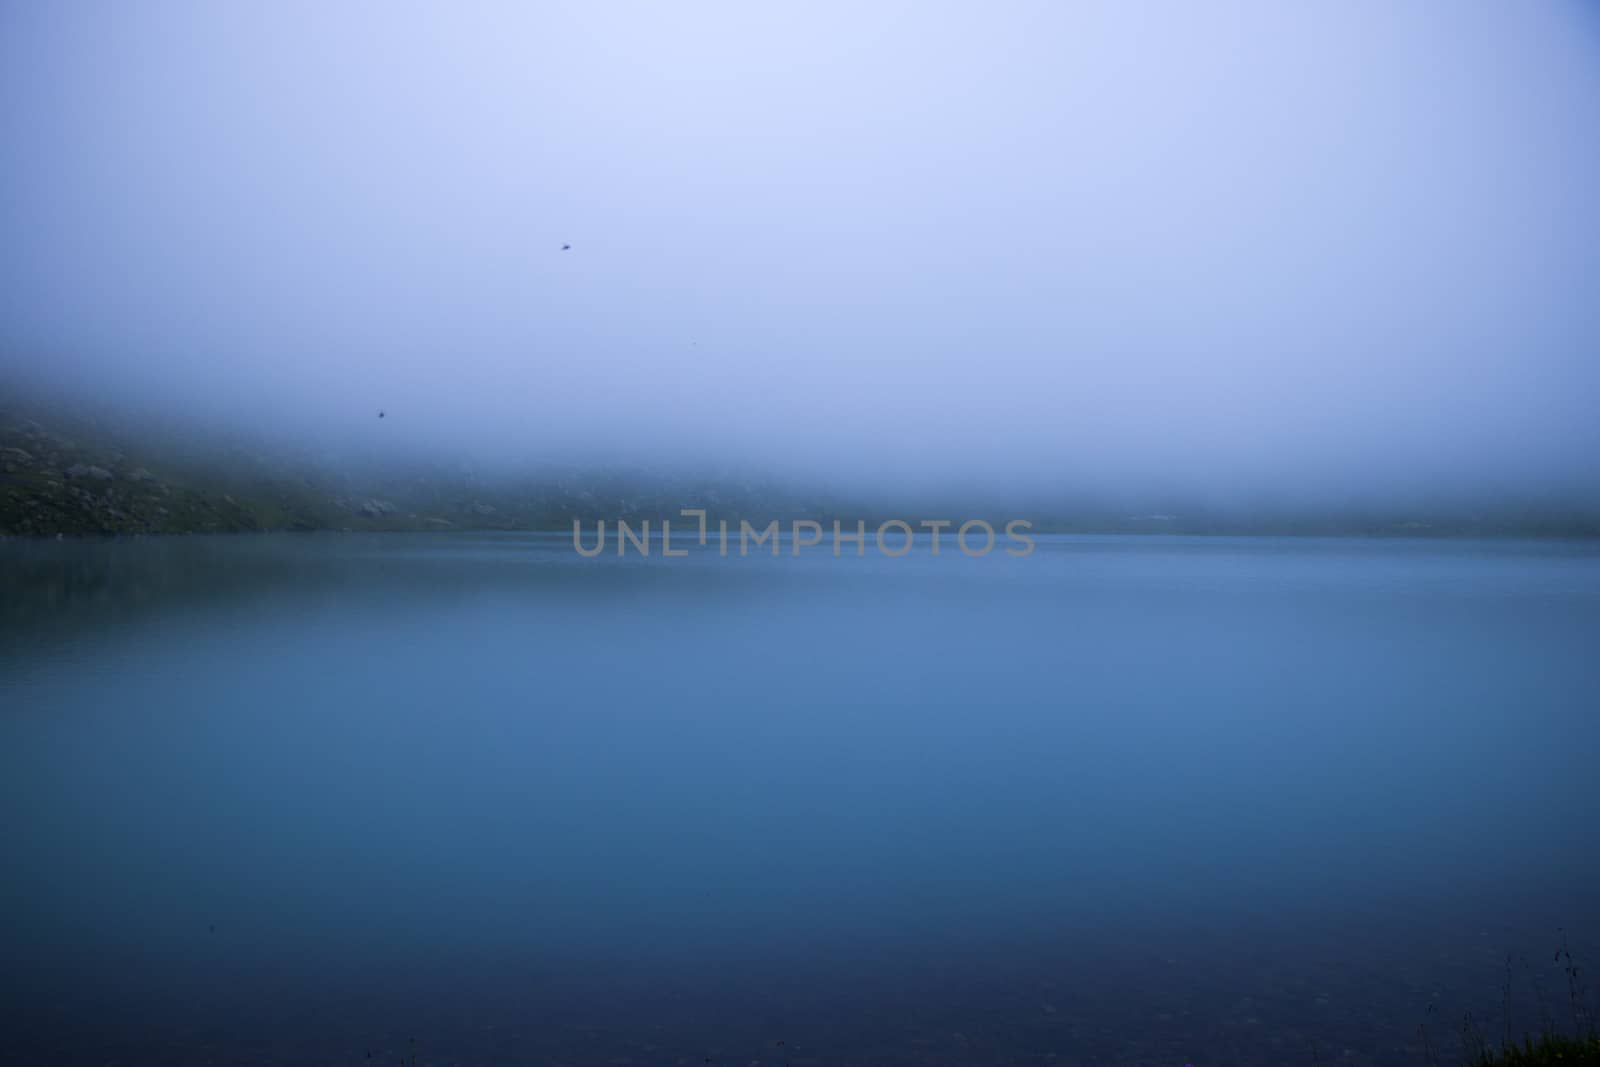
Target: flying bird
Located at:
point(380, 414)
point(565, 248)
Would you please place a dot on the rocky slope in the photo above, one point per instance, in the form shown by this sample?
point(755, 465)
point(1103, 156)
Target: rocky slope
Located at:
point(74, 475)
point(64, 471)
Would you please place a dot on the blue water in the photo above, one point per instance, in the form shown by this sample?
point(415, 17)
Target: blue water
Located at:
point(474, 799)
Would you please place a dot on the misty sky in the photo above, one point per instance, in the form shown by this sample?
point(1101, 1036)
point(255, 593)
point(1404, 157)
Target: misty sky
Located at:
point(1226, 244)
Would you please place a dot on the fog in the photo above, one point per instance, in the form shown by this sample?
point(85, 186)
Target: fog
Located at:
point(1330, 248)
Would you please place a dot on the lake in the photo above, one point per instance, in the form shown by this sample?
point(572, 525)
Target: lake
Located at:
point(461, 798)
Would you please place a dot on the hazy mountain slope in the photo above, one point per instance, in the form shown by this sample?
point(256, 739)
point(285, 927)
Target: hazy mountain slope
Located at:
point(66, 469)
point(70, 472)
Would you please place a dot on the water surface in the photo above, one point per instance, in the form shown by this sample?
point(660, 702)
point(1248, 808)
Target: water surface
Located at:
point(474, 799)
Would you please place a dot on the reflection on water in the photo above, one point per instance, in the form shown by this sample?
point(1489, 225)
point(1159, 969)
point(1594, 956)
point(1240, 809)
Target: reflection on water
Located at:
point(1127, 800)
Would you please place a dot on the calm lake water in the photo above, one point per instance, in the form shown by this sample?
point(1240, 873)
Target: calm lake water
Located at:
point(472, 799)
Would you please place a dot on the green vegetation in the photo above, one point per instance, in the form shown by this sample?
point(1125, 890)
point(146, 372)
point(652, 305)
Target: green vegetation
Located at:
point(1549, 1049)
point(1580, 1049)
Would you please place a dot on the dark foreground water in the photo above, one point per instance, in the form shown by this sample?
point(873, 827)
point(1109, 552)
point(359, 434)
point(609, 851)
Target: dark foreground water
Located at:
point(472, 799)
